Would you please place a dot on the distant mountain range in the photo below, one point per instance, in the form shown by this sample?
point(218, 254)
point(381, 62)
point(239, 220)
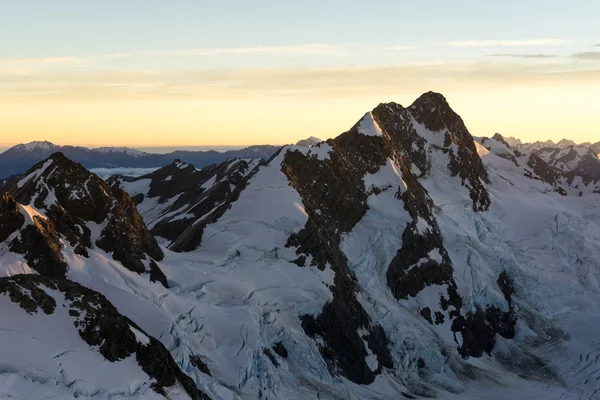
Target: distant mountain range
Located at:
point(21, 157)
point(549, 144)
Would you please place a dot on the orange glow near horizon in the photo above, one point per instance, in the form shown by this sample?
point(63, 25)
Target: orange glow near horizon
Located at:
point(319, 103)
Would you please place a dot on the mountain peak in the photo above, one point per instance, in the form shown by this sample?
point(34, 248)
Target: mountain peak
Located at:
point(309, 142)
point(431, 96)
point(500, 138)
point(39, 146)
point(566, 143)
point(124, 150)
point(74, 204)
point(432, 110)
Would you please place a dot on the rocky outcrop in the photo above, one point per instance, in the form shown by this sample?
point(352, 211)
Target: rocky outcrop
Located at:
point(101, 326)
point(501, 139)
point(11, 217)
point(179, 200)
point(542, 170)
point(479, 328)
point(501, 148)
point(433, 111)
point(335, 198)
point(34, 237)
point(76, 205)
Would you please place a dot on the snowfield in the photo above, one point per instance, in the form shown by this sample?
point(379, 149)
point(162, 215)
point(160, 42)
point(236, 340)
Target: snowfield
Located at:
point(239, 293)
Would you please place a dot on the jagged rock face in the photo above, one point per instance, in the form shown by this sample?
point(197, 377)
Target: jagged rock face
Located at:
point(76, 205)
point(500, 147)
point(432, 110)
point(479, 328)
point(33, 236)
point(11, 218)
point(541, 168)
point(573, 161)
point(335, 198)
point(178, 200)
point(501, 139)
point(100, 325)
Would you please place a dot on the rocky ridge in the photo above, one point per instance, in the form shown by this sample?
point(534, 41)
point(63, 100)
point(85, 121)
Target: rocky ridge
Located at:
point(62, 201)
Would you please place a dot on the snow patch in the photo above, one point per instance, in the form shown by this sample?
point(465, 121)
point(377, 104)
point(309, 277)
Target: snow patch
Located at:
point(35, 174)
point(140, 337)
point(368, 126)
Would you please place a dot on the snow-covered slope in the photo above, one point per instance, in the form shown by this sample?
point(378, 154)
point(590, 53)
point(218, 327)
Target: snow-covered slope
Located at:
point(178, 199)
point(61, 214)
point(62, 340)
point(402, 259)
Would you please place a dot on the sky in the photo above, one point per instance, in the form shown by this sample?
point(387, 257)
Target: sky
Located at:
point(146, 73)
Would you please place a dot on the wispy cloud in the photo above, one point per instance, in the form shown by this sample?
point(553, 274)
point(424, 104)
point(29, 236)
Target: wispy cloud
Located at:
point(226, 84)
point(588, 56)
point(297, 50)
point(395, 48)
point(534, 56)
point(507, 43)
point(42, 60)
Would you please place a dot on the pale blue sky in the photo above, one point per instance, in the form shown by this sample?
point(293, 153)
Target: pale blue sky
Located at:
point(65, 28)
point(338, 54)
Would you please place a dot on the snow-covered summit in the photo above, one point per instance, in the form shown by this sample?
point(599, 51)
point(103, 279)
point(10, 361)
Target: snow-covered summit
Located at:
point(309, 142)
point(124, 150)
point(81, 208)
point(37, 146)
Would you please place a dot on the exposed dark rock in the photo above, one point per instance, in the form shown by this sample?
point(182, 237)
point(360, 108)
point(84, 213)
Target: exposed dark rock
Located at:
point(426, 313)
point(11, 218)
point(100, 325)
point(40, 246)
point(338, 191)
point(541, 168)
point(271, 356)
point(30, 300)
point(300, 261)
point(439, 318)
point(573, 162)
point(479, 328)
point(280, 349)
point(501, 139)
point(221, 196)
point(510, 156)
point(201, 365)
point(433, 111)
point(335, 188)
point(561, 191)
point(192, 198)
point(72, 198)
point(407, 273)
